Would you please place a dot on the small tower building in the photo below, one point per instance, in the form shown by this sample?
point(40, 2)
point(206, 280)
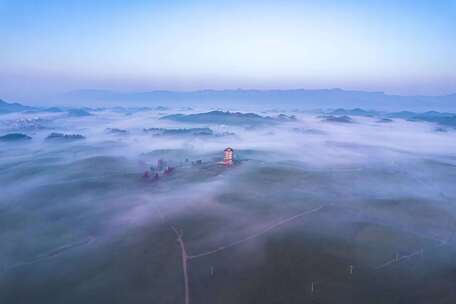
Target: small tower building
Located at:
point(228, 156)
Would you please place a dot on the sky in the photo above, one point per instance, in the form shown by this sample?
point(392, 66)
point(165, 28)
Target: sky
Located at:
point(49, 47)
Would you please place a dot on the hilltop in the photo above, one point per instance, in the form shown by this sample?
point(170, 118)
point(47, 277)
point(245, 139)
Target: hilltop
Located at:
point(220, 117)
point(6, 107)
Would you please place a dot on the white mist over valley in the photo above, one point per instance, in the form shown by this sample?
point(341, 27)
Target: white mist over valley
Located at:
point(136, 204)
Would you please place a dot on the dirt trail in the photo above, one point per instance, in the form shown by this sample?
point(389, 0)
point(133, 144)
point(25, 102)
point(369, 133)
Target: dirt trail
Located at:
point(258, 234)
point(184, 264)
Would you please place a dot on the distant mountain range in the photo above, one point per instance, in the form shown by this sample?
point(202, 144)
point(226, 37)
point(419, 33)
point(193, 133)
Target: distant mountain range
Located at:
point(6, 108)
point(442, 118)
point(299, 98)
point(13, 107)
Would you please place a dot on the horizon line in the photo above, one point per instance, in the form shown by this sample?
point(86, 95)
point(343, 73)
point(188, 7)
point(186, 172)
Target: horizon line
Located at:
point(246, 89)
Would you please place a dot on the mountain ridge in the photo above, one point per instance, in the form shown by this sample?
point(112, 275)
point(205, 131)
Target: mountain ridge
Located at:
point(301, 98)
point(6, 107)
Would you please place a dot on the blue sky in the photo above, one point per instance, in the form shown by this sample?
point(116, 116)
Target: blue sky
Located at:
point(401, 47)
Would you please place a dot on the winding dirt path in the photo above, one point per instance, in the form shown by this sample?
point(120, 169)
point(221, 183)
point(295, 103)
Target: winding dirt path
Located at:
point(184, 264)
point(258, 234)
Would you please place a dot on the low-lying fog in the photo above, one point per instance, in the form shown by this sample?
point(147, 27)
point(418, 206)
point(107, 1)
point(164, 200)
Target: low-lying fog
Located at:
point(312, 211)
